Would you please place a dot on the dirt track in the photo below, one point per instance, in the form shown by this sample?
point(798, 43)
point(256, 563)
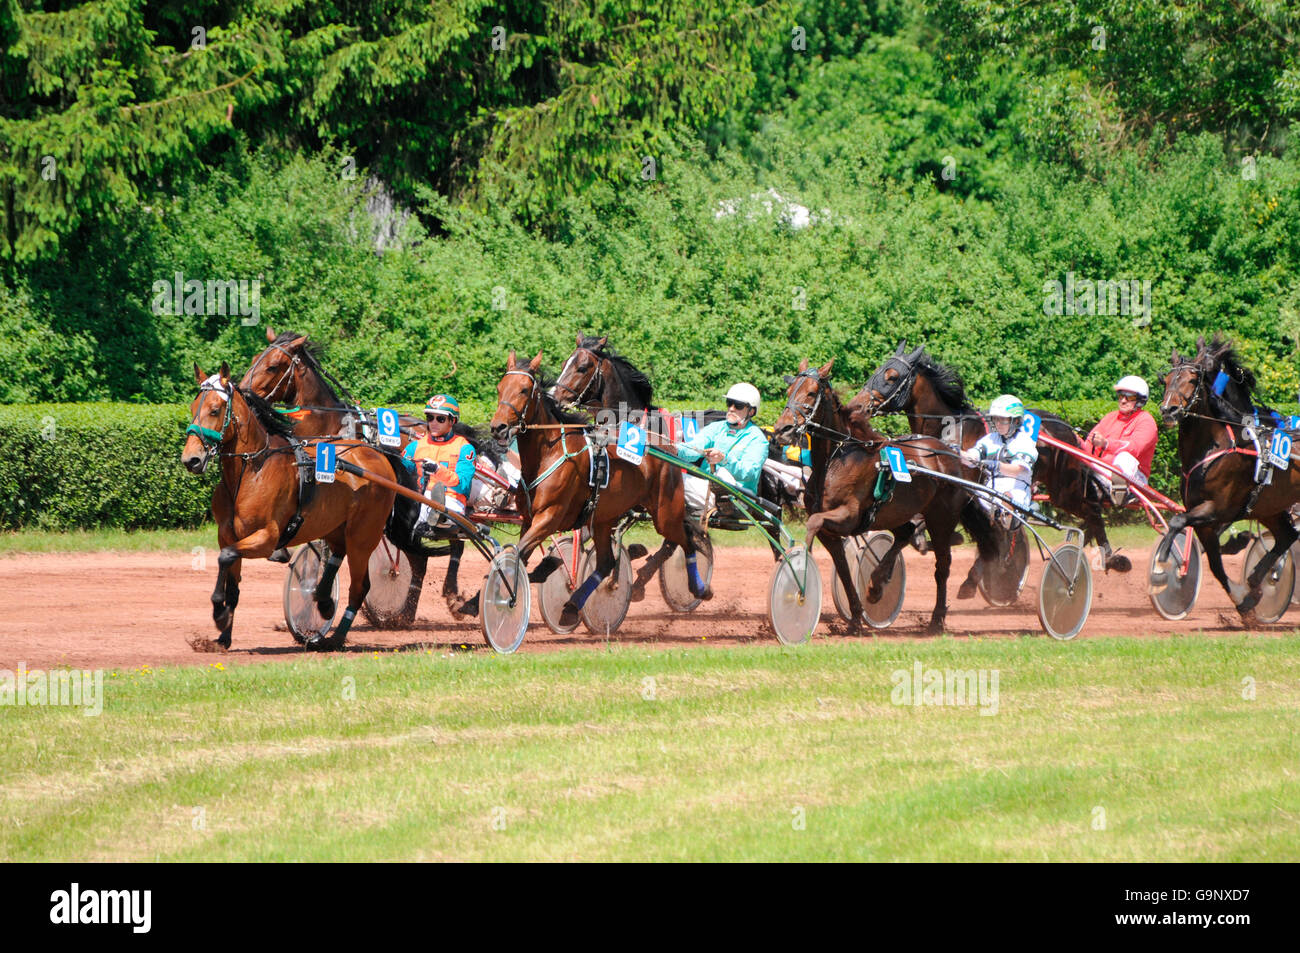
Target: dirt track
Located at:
point(130, 609)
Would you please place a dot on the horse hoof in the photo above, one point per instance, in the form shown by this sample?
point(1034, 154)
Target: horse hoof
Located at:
point(1117, 563)
point(570, 615)
point(637, 551)
point(326, 608)
point(281, 555)
point(967, 590)
point(638, 594)
point(319, 643)
point(934, 628)
point(705, 594)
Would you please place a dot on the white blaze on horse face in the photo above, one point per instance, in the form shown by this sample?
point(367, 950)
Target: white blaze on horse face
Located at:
point(213, 383)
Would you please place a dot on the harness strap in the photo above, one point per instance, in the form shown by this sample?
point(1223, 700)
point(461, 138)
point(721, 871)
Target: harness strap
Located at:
point(306, 493)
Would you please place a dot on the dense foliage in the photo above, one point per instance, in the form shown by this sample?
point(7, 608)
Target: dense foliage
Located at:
point(917, 138)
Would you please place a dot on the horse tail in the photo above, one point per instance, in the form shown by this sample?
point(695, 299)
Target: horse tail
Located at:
point(401, 521)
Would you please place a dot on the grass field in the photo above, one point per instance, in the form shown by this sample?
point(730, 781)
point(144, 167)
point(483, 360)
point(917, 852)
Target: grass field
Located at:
point(1107, 749)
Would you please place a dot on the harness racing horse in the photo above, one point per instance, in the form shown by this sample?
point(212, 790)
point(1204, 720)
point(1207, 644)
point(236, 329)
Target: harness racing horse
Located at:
point(555, 456)
point(842, 498)
point(1209, 398)
point(256, 501)
point(934, 400)
point(289, 371)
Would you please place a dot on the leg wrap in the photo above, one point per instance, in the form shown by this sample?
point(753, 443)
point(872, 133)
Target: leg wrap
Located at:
point(583, 592)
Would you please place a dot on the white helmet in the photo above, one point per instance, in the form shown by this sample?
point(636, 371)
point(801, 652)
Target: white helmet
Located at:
point(745, 394)
point(1135, 385)
point(1008, 405)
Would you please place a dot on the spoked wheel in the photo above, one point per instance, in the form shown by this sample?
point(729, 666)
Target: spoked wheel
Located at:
point(1279, 582)
point(853, 553)
point(505, 601)
point(606, 608)
point(1065, 595)
point(395, 582)
point(673, 583)
point(1001, 581)
point(1295, 554)
point(881, 613)
point(300, 613)
point(1174, 580)
point(556, 590)
point(794, 596)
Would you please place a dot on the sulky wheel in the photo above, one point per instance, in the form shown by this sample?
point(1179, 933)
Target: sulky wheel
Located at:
point(606, 608)
point(555, 591)
point(881, 613)
point(1065, 595)
point(396, 579)
point(300, 612)
point(505, 601)
point(1174, 576)
point(794, 596)
point(853, 553)
point(672, 576)
point(1001, 580)
point(1278, 584)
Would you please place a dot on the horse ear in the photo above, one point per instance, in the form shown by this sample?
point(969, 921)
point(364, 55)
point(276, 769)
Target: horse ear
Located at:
point(602, 342)
point(787, 378)
point(270, 335)
point(915, 354)
point(510, 361)
point(1200, 343)
point(902, 347)
point(225, 373)
point(298, 342)
point(579, 339)
point(536, 362)
point(199, 376)
point(803, 365)
point(824, 372)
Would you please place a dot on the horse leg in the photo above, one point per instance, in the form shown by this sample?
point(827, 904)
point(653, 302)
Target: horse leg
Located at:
point(835, 546)
point(535, 533)
point(1284, 534)
point(602, 538)
point(225, 595)
point(338, 550)
point(649, 568)
point(884, 570)
point(1209, 538)
point(942, 567)
point(358, 557)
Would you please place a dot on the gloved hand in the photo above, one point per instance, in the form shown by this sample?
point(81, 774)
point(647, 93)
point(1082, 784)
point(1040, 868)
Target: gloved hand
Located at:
point(970, 458)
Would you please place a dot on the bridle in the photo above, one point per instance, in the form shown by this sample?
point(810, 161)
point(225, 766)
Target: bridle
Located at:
point(596, 376)
point(902, 388)
point(294, 361)
point(806, 413)
point(211, 440)
point(515, 429)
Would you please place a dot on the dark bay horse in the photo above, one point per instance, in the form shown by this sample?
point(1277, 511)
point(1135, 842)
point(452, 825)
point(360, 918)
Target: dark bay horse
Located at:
point(841, 493)
point(289, 371)
point(257, 498)
point(555, 458)
point(934, 400)
point(1209, 398)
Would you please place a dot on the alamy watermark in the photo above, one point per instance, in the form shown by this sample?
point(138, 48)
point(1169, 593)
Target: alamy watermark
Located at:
point(1129, 298)
point(68, 688)
point(178, 295)
point(932, 686)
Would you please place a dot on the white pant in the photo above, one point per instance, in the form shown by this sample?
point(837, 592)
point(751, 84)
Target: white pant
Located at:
point(428, 514)
point(699, 491)
point(1126, 464)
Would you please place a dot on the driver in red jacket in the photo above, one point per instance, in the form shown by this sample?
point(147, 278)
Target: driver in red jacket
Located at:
point(1125, 438)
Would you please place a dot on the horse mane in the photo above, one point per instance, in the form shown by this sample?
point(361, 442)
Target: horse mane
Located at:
point(275, 423)
point(313, 352)
point(946, 382)
point(545, 382)
point(1225, 355)
point(479, 440)
point(633, 380)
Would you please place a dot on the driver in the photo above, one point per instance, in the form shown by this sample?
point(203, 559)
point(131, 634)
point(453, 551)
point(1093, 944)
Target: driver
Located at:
point(1007, 452)
point(444, 460)
point(1125, 438)
point(736, 448)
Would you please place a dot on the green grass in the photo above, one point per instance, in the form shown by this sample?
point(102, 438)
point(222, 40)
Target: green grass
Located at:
point(563, 756)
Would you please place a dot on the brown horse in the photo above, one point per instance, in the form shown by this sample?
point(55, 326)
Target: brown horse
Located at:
point(841, 495)
point(934, 400)
point(1209, 398)
point(555, 457)
point(256, 501)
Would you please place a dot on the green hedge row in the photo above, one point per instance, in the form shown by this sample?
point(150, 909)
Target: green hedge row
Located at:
point(64, 466)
